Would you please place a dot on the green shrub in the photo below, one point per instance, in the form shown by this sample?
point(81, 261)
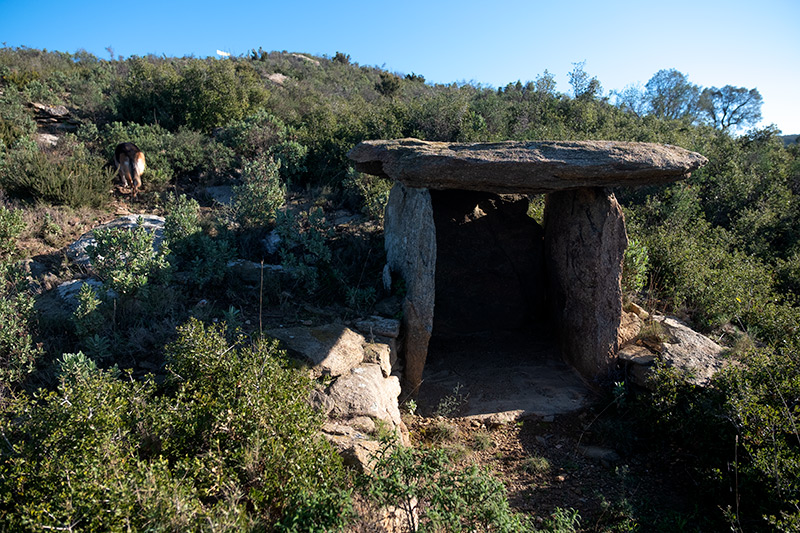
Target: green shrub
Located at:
point(67, 176)
point(372, 193)
point(634, 267)
point(261, 194)
point(229, 443)
point(15, 120)
point(182, 218)
point(433, 495)
point(304, 248)
point(87, 318)
point(126, 260)
point(203, 258)
point(11, 225)
point(18, 352)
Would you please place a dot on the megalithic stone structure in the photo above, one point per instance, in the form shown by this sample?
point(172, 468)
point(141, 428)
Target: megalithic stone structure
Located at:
point(584, 228)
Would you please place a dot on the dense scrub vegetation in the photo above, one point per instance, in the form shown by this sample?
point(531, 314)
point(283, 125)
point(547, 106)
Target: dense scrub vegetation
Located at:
point(721, 249)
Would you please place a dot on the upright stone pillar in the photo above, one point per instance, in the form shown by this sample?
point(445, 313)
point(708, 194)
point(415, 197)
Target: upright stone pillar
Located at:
point(410, 240)
point(585, 242)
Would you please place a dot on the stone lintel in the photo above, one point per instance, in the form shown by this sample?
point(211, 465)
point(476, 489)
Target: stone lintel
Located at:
point(523, 166)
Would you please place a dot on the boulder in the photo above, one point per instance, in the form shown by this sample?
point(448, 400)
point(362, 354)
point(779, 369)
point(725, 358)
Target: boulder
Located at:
point(331, 349)
point(251, 272)
point(379, 326)
point(524, 166)
point(629, 328)
point(689, 351)
point(365, 392)
point(357, 449)
point(695, 355)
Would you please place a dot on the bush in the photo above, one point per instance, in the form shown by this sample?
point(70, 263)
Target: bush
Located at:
point(435, 496)
point(261, 194)
point(230, 441)
point(67, 176)
point(304, 249)
point(126, 260)
point(18, 352)
point(634, 267)
point(372, 193)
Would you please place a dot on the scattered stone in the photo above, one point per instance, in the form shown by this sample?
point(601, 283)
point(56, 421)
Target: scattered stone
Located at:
point(363, 424)
point(306, 58)
point(380, 326)
point(637, 310)
point(380, 354)
point(277, 78)
point(68, 291)
point(250, 272)
point(46, 139)
point(355, 449)
point(691, 352)
point(34, 269)
point(523, 166)
point(221, 194)
point(54, 113)
point(76, 251)
point(366, 392)
point(272, 242)
point(694, 354)
point(495, 420)
point(603, 455)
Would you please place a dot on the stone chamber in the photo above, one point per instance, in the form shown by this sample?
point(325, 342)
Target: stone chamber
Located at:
point(503, 314)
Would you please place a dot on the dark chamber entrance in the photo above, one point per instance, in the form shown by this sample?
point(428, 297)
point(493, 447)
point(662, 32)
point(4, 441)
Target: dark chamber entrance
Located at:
point(492, 338)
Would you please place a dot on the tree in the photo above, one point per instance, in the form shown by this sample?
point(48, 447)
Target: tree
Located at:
point(730, 106)
point(632, 99)
point(584, 87)
point(670, 95)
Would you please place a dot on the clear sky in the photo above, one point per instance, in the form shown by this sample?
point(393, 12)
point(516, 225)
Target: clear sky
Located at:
point(743, 43)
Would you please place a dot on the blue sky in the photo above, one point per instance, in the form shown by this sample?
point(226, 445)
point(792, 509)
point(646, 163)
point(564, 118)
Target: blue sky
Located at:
point(736, 42)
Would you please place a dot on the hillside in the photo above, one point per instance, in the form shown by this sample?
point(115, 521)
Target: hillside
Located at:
point(164, 367)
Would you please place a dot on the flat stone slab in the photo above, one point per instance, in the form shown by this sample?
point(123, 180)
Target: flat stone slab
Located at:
point(524, 167)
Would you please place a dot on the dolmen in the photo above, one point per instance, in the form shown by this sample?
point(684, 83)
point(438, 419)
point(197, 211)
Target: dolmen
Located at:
point(458, 235)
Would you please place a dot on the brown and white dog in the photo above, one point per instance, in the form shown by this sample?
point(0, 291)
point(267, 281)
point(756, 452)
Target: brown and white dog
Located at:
point(129, 162)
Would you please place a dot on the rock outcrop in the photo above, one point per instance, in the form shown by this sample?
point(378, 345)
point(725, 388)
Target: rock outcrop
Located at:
point(358, 392)
point(696, 356)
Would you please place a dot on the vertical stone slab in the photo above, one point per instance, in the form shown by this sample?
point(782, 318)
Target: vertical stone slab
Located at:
point(410, 240)
point(585, 241)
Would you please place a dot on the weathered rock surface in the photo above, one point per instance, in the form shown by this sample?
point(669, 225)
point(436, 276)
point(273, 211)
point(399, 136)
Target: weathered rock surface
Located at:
point(410, 240)
point(585, 242)
point(363, 396)
point(694, 354)
point(364, 391)
point(76, 251)
point(630, 326)
point(68, 291)
point(524, 167)
point(331, 349)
